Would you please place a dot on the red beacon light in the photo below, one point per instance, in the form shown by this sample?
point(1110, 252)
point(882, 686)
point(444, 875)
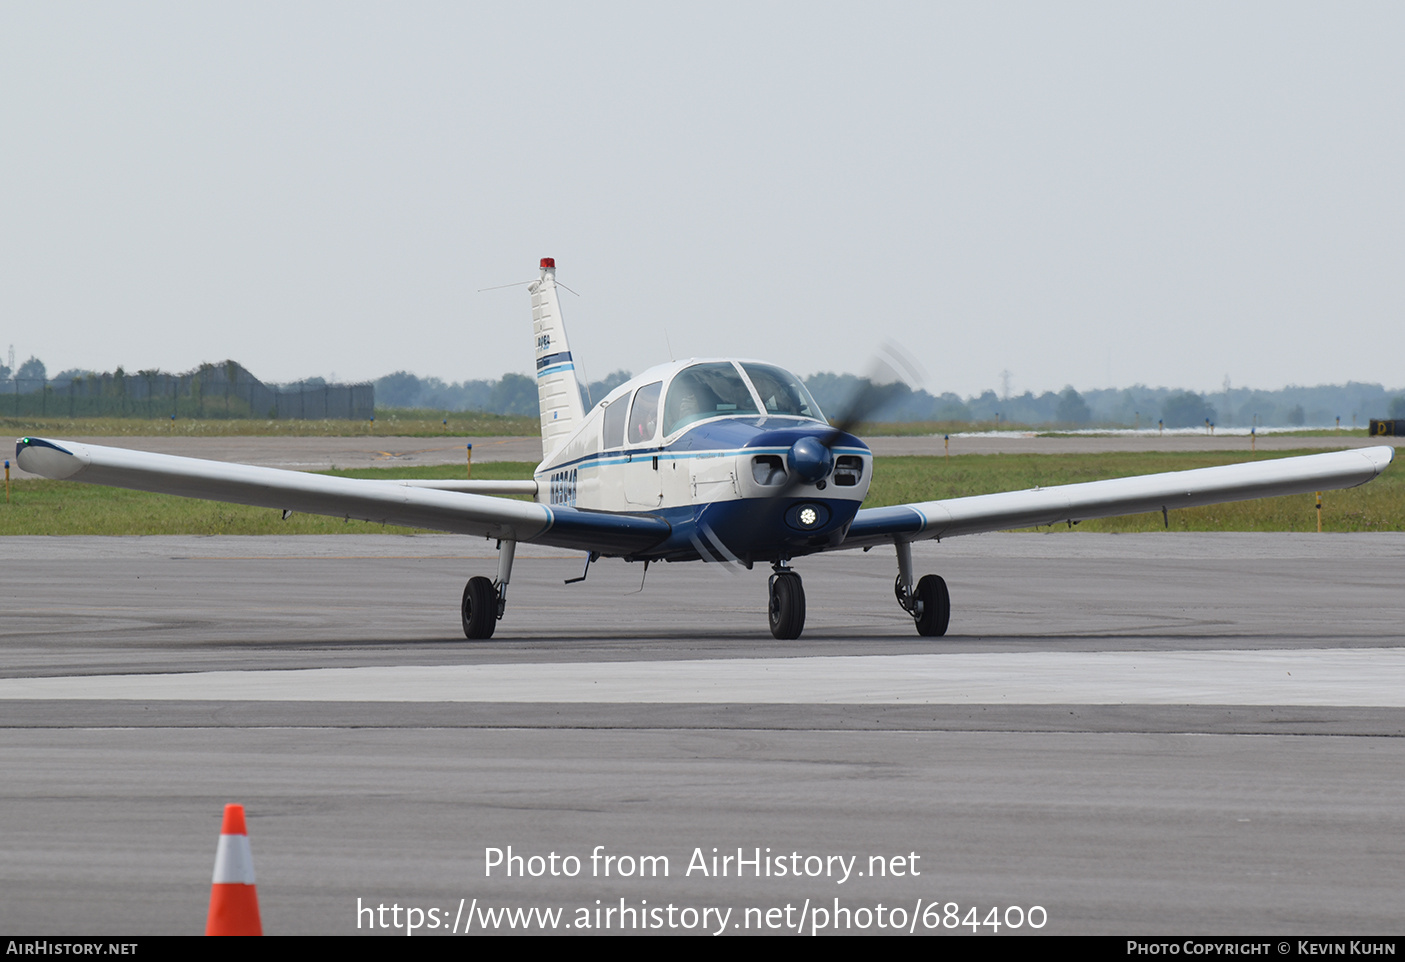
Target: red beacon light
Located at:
point(548, 263)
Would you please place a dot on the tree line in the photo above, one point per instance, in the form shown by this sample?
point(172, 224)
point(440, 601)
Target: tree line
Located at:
point(1354, 403)
point(1136, 406)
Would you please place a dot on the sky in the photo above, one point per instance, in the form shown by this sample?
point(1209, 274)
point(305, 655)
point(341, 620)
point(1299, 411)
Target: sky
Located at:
point(1094, 194)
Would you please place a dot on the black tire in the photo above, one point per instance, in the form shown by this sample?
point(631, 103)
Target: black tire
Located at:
point(936, 606)
point(787, 606)
point(480, 609)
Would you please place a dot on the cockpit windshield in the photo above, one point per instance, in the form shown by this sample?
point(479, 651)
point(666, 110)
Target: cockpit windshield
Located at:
point(782, 392)
point(716, 389)
point(708, 390)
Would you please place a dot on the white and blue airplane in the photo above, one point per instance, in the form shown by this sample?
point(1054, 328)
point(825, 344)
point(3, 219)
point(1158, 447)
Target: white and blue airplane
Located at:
point(718, 460)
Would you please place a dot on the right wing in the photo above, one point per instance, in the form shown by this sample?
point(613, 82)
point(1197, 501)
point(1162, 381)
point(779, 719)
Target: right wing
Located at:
point(410, 503)
point(1117, 496)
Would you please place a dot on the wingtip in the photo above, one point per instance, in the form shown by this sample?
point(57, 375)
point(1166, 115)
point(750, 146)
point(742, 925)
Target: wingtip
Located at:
point(46, 459)
point(27, 442)
point(1380, 456)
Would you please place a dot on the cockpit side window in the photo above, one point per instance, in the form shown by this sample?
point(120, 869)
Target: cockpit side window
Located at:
point(644, 416)
point(705, 391)
point(615, 413)
point(782, 392)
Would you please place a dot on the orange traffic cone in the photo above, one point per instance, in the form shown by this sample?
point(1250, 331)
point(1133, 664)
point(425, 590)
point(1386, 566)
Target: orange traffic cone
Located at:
point(234, 903)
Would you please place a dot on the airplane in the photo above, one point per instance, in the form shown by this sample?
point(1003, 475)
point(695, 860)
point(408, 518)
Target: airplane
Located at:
point(721, 460)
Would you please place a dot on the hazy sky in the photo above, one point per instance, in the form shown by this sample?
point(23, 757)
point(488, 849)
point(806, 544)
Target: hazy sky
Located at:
point(1094, 194)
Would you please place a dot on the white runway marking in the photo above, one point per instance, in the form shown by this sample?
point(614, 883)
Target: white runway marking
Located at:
point(1357, 677)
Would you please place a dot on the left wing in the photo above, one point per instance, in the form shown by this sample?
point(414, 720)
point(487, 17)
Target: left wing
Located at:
point(410, 503)
point(1106, 499)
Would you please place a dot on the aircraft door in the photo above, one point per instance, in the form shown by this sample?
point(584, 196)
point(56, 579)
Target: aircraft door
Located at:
point(643, 484)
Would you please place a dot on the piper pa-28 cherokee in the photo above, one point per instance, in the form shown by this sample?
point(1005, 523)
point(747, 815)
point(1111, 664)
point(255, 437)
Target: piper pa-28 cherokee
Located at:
point(715, 460)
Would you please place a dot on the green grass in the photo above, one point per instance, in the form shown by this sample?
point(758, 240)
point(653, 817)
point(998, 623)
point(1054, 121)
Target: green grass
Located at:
point(60, 507)
point(1344, 432)
point(393, 423)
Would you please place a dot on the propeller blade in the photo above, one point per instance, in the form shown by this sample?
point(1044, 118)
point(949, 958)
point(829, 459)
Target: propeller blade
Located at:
point(891, 370)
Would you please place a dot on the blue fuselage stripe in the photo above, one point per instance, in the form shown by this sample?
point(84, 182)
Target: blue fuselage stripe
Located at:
point(607, 458)
point(720, 438)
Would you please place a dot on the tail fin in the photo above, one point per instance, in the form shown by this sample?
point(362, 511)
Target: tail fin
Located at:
point(557, 391)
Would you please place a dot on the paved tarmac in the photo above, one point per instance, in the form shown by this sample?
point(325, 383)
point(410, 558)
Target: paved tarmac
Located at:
point(1162, 734)
point(315, 454)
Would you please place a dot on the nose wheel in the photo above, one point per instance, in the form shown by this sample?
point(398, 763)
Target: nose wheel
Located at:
point(787, 604)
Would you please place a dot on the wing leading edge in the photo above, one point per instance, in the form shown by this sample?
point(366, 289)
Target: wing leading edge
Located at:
point(411, 504)
point(1119, 496)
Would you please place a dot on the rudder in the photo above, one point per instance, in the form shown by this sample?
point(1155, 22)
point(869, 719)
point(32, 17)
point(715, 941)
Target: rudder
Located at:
point(557, 390)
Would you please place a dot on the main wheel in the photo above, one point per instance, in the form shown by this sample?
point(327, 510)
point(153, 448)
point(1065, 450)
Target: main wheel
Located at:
point(787, 606)
point(936, 606)
point(480, 608)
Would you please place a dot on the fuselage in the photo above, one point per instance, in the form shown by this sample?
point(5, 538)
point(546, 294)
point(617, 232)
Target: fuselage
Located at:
point(735, 455)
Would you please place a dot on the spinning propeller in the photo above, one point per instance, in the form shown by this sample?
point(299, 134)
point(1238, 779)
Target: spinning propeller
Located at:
point(811, 459)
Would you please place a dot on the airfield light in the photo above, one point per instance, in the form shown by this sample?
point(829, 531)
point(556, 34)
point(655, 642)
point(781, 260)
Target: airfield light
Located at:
point(548, 263)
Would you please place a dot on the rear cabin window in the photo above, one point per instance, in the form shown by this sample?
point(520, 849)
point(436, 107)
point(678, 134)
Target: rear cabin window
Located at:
point(615, 413)
point(705, 391)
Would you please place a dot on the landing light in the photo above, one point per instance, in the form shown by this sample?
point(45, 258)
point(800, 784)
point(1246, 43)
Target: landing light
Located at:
point(807, 516)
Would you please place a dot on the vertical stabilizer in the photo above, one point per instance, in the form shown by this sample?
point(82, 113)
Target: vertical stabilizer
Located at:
point(557, 391)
